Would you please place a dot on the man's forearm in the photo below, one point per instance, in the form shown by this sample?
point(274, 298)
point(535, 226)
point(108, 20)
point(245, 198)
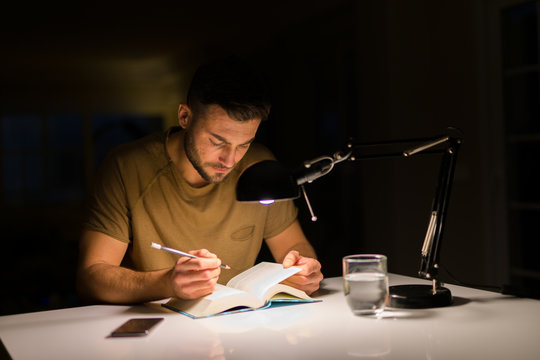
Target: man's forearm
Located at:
point(114, 284)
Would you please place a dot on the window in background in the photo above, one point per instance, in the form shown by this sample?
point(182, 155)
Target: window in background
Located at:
point(22, 158)
point(43, 158)
point(521, 93)
point(64, 165)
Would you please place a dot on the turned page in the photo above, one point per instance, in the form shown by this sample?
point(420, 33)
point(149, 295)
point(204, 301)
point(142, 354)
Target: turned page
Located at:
point(261, 278)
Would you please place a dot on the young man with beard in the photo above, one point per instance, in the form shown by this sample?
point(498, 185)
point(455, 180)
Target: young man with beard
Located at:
point(178, 189)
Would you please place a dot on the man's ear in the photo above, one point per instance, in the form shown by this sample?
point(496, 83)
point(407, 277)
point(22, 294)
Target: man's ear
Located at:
point(184, 115)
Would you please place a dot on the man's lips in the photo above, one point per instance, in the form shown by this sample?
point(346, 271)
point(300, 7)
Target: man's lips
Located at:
point(220, 169)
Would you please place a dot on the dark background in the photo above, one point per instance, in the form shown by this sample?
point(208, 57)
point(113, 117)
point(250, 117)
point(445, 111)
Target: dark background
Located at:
point(77, 80)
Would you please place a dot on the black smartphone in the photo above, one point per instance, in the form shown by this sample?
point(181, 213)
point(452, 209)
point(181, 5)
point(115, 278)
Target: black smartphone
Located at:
point(136, 327)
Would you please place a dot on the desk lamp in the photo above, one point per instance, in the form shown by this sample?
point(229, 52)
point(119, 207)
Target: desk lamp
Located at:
point(269, 181)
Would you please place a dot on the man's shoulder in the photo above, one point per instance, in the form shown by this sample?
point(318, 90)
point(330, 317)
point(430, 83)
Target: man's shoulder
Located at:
point(146, 154)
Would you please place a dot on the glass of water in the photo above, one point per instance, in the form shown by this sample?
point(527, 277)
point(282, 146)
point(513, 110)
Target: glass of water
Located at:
point(365, 281)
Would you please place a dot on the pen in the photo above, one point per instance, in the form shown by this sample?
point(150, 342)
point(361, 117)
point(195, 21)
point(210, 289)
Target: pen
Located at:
point(174, 251)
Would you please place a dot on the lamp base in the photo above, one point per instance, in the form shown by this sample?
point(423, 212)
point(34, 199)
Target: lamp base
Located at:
point(419, 296)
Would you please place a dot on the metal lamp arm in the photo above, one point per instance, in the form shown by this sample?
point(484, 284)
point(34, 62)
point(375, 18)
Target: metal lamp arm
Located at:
point(448, 145)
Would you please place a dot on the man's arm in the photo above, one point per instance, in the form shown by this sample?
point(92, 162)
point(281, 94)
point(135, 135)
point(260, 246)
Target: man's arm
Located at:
point(291, 248)
point(101, 278)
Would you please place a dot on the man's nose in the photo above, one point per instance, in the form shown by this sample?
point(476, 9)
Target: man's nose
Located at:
point(227, 157)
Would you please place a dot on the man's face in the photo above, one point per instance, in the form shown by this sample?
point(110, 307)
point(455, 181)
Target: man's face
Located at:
point(214, 142)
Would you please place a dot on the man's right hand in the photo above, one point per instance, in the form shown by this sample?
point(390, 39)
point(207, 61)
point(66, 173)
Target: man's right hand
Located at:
point(194, 278)
point(101, 278)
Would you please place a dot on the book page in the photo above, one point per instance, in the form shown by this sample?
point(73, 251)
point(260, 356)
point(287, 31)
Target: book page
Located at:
point(286, 292)
point(223, 298)
point(221, 292)
point(260, 278)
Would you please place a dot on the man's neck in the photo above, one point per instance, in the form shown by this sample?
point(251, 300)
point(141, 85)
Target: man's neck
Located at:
point(175, 147)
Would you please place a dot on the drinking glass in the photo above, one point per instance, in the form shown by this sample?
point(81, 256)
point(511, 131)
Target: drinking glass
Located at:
point(365, 282)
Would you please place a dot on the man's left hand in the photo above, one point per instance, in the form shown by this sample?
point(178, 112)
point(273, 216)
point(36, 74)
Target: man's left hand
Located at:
point(309, 278)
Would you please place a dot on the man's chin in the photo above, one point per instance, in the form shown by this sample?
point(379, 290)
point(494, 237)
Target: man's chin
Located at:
point(219, 177)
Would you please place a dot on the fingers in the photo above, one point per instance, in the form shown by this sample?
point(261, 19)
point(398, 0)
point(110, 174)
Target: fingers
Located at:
point(192, 278)
point(195, 290)
point(203, 253)
point(290, 259)
point(206, 260)
point(310, 275)
point(308, 284)
point(308, 265)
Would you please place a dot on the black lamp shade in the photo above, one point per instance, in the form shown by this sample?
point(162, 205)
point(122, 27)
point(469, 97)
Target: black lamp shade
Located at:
point(266, 180)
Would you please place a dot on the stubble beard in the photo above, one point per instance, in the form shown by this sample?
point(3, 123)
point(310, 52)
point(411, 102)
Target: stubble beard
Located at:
point(193, 156)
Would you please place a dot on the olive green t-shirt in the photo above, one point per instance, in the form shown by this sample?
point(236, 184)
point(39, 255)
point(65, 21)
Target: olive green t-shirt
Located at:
point(140, 197)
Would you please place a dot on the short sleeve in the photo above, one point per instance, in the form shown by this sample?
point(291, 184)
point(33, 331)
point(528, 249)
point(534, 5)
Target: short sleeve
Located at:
point(280, 216)
point(107, 208)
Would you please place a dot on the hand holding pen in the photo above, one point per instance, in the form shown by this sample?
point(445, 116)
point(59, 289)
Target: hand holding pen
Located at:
point(193, 279)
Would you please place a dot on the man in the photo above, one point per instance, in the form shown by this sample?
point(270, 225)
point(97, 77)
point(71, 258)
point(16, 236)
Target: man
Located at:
point(178, 189)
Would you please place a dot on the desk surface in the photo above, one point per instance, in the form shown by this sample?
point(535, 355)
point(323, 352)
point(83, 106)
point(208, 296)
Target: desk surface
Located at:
point(480, 325)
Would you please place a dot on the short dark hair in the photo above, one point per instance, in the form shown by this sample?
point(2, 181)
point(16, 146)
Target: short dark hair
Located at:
point(232, 84)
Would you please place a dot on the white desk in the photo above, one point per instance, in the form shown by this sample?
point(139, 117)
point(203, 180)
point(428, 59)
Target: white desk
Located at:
point(480, 325)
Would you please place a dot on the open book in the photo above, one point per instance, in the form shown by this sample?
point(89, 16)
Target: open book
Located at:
point(255, 288)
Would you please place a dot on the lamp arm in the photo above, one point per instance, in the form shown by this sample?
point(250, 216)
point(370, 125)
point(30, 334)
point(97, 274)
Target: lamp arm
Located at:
point(353, 151)
point(318, 167)
point(448, 145)
point(429, 264)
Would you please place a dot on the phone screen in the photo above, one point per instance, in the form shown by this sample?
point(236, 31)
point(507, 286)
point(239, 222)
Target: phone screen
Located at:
point(136, 327)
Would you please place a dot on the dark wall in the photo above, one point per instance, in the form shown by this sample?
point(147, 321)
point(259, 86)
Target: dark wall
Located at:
point(383, 71)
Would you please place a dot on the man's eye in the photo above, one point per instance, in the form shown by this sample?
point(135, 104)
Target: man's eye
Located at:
point(215, 143)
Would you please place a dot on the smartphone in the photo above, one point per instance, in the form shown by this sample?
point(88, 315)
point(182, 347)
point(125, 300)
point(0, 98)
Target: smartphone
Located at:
point(136, 327)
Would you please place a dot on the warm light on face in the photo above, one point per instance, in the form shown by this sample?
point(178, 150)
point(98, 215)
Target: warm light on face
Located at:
point(266, 202)
point(214, 142)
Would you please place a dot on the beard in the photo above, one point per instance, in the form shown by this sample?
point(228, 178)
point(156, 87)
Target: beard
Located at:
point(195, 159)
